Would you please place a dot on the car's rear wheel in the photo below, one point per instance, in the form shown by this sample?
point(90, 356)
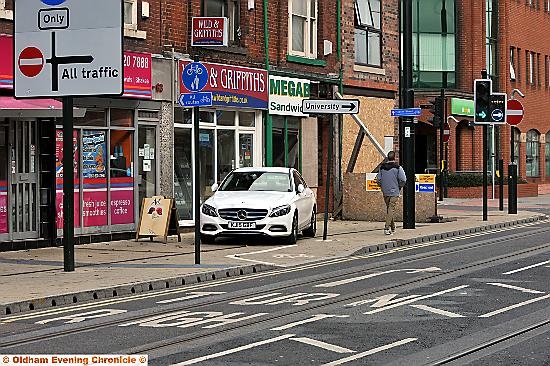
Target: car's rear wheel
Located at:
point(293, 237)
point(207, 239)
point(312, 229)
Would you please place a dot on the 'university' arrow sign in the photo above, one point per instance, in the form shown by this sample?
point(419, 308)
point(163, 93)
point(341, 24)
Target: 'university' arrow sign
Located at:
point(330, 106)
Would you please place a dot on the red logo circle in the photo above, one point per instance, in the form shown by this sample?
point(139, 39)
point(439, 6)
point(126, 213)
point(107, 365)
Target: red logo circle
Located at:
point(31, 61)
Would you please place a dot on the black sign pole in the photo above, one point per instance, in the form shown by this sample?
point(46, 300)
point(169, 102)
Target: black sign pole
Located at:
point(197, 169)
point(512, 178)
point(485, 169)
point(68, 186)
point(327, 183)
point(501, 185)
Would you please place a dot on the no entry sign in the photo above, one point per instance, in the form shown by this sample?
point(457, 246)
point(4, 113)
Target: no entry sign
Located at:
point(514, 113)
point(31, 61)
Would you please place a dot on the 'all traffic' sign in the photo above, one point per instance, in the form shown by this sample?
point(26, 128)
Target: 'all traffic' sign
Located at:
point(514, 112)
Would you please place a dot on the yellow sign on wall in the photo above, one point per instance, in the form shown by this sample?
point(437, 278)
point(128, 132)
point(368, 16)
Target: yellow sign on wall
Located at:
point(372, 184)
point(425, 178)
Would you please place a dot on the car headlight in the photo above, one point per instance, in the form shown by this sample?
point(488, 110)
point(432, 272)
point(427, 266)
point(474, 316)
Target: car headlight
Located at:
point(209, 210)
point(280, 211)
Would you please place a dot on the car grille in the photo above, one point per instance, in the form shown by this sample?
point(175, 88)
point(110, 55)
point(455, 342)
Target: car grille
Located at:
point(232, 214)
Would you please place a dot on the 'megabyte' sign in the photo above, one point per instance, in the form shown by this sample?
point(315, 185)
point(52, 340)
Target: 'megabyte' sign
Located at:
point(209, 31)
point(68, 48)
point(286, 95)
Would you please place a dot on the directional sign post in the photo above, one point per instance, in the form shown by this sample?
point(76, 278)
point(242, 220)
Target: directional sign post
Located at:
point(67, 48)
point(406, 112)
point(330, 106)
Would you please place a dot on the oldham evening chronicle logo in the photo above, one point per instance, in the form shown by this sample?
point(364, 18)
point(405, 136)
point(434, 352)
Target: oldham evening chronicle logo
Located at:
point(53, 2)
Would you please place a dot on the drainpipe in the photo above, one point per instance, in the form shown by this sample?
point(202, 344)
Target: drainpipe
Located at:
point(268, 120)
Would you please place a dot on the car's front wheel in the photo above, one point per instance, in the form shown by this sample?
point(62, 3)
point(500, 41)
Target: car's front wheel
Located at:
point(293, 237)
point(312, 229)
point(207, 239)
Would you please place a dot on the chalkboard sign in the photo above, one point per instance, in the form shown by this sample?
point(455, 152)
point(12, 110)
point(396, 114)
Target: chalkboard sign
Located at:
point(159, 217)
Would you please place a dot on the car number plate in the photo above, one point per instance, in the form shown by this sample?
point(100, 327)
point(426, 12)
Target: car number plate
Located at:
point(242, 225)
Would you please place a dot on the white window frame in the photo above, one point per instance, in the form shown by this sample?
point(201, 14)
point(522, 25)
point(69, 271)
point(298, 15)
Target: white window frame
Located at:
point(131, 30)
point(233, 15)
point(311, 21)
point(531, 68)
point(5, 14)
point(512, 67)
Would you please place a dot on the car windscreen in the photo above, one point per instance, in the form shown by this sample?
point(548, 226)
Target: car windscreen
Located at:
point(256, 181)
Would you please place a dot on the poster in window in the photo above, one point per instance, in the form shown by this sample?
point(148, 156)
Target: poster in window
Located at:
point(94, 172)
point(3, 207)
point(59, 179)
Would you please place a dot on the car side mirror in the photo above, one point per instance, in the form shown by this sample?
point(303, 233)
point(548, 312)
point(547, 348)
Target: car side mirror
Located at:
point(215, 187)
point(301, 188)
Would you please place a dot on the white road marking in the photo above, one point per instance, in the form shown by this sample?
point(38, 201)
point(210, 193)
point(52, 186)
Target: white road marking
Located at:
point(370, 352)
point(438, 311)
point(297, 299)
point(292, 256)
point(370, 275)
point(522, 289)
point(511, 307)
point(250, 277)
point(238, 256)
point(382, 300)
point(233, 350)
point(526, 268)
point(314, 318)
point(80, 317)
point(192, 295)
point(406, 302)
point(320, 344)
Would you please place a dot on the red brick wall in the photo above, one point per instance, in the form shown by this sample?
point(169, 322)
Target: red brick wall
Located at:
point(524, 190)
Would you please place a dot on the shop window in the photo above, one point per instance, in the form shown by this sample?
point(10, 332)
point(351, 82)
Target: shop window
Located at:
point(3, 179)
point(131, 20)
point(225, 153)
point(247, 119)
point(303, 28)
point(93, 117)
point(122, 176)
point(547, 153)
point(286, 141)
point(5, 13)
point(229, 9)
point(59, 178)
point(532, 158)
point(122, 117)
point(368, 33)
point(225, 118)
point(206, 116)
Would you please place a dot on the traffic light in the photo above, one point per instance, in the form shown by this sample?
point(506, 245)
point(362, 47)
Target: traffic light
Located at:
point(482, 100)
point(436, 109)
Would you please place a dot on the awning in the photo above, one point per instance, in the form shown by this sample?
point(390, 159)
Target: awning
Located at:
point(34, 108)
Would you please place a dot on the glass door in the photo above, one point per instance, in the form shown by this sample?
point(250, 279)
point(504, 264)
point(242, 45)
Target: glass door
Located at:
point(226, 153)
point(4, 133)
point(183, 172)
point(246, 150)
point(147, 167)
point(207, 155)
point(24, 179)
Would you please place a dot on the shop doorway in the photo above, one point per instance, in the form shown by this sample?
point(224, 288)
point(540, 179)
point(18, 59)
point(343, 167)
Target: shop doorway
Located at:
point(24, 182)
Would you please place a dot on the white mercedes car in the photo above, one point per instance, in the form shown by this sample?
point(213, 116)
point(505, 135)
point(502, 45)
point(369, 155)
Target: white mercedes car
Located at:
point(274, 202)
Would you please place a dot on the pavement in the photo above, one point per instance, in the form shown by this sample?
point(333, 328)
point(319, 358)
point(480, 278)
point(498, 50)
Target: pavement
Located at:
point(34, 279)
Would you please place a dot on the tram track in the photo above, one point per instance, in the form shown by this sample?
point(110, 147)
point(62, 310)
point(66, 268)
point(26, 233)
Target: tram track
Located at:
point(94, 325)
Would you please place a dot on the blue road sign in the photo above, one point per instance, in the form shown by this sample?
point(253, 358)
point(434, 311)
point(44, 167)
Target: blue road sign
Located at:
point(200, 99)
point(194, 76)
point(53, 2)
point(406, 112)
point(425, 187)
point(497, 115)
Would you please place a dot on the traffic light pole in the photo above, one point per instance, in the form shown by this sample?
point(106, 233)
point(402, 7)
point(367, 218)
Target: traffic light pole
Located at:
point(485, 169)
point(407, 130)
